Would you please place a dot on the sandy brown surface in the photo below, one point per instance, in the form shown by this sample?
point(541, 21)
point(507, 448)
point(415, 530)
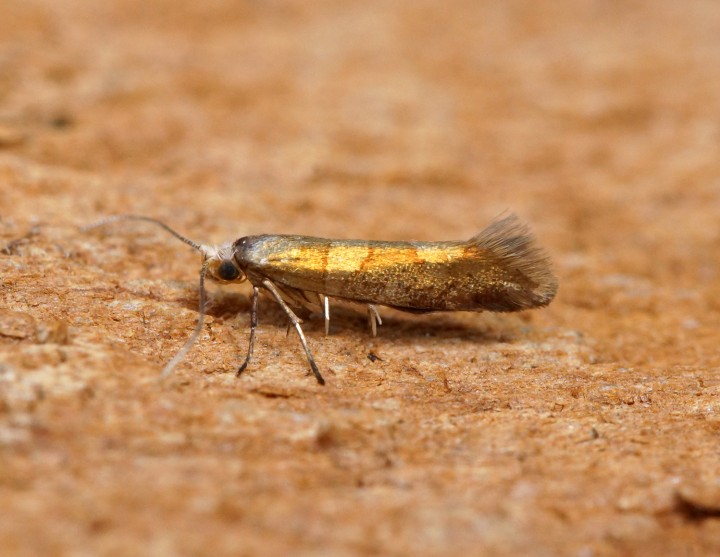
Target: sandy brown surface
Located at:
point(588, 428)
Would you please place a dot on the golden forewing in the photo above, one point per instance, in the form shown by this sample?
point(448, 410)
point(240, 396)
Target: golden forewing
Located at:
point(500, 269)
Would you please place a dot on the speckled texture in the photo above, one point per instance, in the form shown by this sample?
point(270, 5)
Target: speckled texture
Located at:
point(588, 428)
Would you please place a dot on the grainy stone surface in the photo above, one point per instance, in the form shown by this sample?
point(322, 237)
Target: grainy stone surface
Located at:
point(588, 428)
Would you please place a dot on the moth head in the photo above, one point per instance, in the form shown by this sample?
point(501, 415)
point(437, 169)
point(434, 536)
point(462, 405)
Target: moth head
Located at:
point(220, 265)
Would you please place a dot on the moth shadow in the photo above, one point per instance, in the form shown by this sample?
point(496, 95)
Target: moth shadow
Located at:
point(401, 326)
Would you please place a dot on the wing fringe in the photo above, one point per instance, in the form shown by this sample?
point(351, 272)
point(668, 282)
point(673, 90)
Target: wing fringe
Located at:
point(512, 243)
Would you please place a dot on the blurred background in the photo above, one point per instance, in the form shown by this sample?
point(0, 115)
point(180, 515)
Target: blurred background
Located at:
point(597, 122)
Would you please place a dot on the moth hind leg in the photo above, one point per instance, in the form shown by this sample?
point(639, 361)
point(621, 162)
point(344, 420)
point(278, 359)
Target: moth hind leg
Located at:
point(373, 318)
point(325, 305)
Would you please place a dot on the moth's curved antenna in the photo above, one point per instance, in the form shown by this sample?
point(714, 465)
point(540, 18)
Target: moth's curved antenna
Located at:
point(177, 358)
point(117, 218)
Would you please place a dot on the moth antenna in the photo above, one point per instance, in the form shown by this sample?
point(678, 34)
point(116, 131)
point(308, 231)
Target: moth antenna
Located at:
point(178, 357)
point(117, 218)
point(167, 370)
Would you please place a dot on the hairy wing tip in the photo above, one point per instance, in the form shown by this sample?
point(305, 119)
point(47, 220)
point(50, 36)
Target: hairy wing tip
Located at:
point(511, 241)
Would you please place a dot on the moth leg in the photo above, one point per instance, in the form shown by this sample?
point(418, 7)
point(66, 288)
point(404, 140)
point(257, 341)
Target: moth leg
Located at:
point(326, 312)
point(373, 318)
point(253, 326)
point(295, 320)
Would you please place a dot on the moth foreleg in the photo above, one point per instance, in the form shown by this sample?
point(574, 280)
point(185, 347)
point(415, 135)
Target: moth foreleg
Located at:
point(295, 320)
point(253, 326)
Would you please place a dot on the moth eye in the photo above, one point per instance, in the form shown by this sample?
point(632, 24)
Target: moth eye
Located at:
point(228, 271)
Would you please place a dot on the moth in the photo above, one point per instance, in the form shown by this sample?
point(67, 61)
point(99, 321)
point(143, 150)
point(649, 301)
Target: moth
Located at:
point(501, 269)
